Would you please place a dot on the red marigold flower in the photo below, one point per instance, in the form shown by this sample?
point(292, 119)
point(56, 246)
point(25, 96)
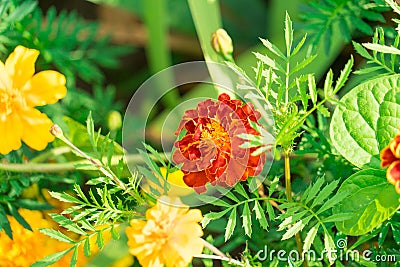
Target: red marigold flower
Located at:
point(210, 150)
point(390, 156)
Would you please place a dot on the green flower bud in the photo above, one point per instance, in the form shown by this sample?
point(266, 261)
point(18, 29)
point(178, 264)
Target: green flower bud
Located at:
point(114, 120)
point(222, 44)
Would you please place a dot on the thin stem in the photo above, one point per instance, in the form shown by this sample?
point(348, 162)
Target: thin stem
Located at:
point(288, 184)
point(57, 132)
point(219, 255)
point(214, 257)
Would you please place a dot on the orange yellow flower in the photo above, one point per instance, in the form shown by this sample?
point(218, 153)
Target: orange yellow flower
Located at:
point(211, 151)
point(390, 156)
point(27, 246)
point(170, 236)
point(20, 92)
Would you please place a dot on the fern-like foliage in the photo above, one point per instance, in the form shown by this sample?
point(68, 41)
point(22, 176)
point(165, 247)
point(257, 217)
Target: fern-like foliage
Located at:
point(384, 59)
point(314, 210)
point(322, 16)
point(241, 203)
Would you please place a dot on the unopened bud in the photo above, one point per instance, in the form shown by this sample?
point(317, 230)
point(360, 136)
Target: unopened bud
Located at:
point(114, 120)
point(222, 44)
point(56, 131)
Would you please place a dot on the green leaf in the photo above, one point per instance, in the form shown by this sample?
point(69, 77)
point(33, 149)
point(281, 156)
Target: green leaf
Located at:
point(230, 225)
point(372, 200)
point(310, 237)
point(271, 47)
point(86, 247)
point(314, 190)
point(246, 216)
point(240, 189)
point(325, 193)
point(333, 201)
point(260, 215)
point(330, 246)
point(213, 200)
point(32, 204)
point(312, 88)
point(51, 259)
point(297, 227)
point(338, 217)
point(382, 48)
point(67, 223)
point(344, 75)
point(328, 84)
point(212, 216)
point(14, 212)
point(100, 240)
point(74, 258)
point(288, 34)
point(367, 120)
point(362, 51)
point(57, 235)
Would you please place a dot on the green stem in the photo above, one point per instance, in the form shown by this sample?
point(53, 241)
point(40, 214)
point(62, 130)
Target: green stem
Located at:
point(289, 192)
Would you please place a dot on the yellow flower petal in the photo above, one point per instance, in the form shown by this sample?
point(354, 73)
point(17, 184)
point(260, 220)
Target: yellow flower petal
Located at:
point(45, 87)
point(5, 81)
point(20, 65)
point(11, 133)
point(36, 129)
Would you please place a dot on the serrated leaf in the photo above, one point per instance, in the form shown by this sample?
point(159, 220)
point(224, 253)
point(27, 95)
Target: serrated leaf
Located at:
point(314, 189)
point(230, 226)
point(310, 237)
point(333, 201)
point(294, 229)
point(271, 47)
point(74, 258)
point(288, 34)
point(330, 246)
point(86, 247)
point(312, 88)
point(246, 216)
point(361, 51)
point(65, 198)
point(382, 48)
point(51, 259)
point(240, 189)
point(328, 84)
point(212, 216)
point(67, 223)
point(100, 240)
point(114, 233)
point(260, 215)
point(325, 193)
point(372, 106)
point(344, 75)
point(383, 234)
point(338, 217)
point(213, 200)
point(57, 235)
point(372, 200)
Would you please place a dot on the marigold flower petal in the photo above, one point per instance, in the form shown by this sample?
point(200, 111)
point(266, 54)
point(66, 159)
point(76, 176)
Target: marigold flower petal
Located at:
point(45, 87)
point(170, 236)
point(210, 151)
point(390, 156)
point(36, 129)
point(11, 133)
point(20, 92)
point(20, 65)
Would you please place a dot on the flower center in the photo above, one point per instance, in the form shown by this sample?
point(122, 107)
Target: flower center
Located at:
point(215, 132)
point(10, 100)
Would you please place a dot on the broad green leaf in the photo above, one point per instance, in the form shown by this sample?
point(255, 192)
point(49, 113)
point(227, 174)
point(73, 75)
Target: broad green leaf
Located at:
point(367, 120)
point(260, 215)
point(231, 225)
point(246, 216)
point(372, 200)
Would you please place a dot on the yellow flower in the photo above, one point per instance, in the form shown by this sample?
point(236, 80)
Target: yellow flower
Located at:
point(27, 247)
point(170, 235)
point(20, 92)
